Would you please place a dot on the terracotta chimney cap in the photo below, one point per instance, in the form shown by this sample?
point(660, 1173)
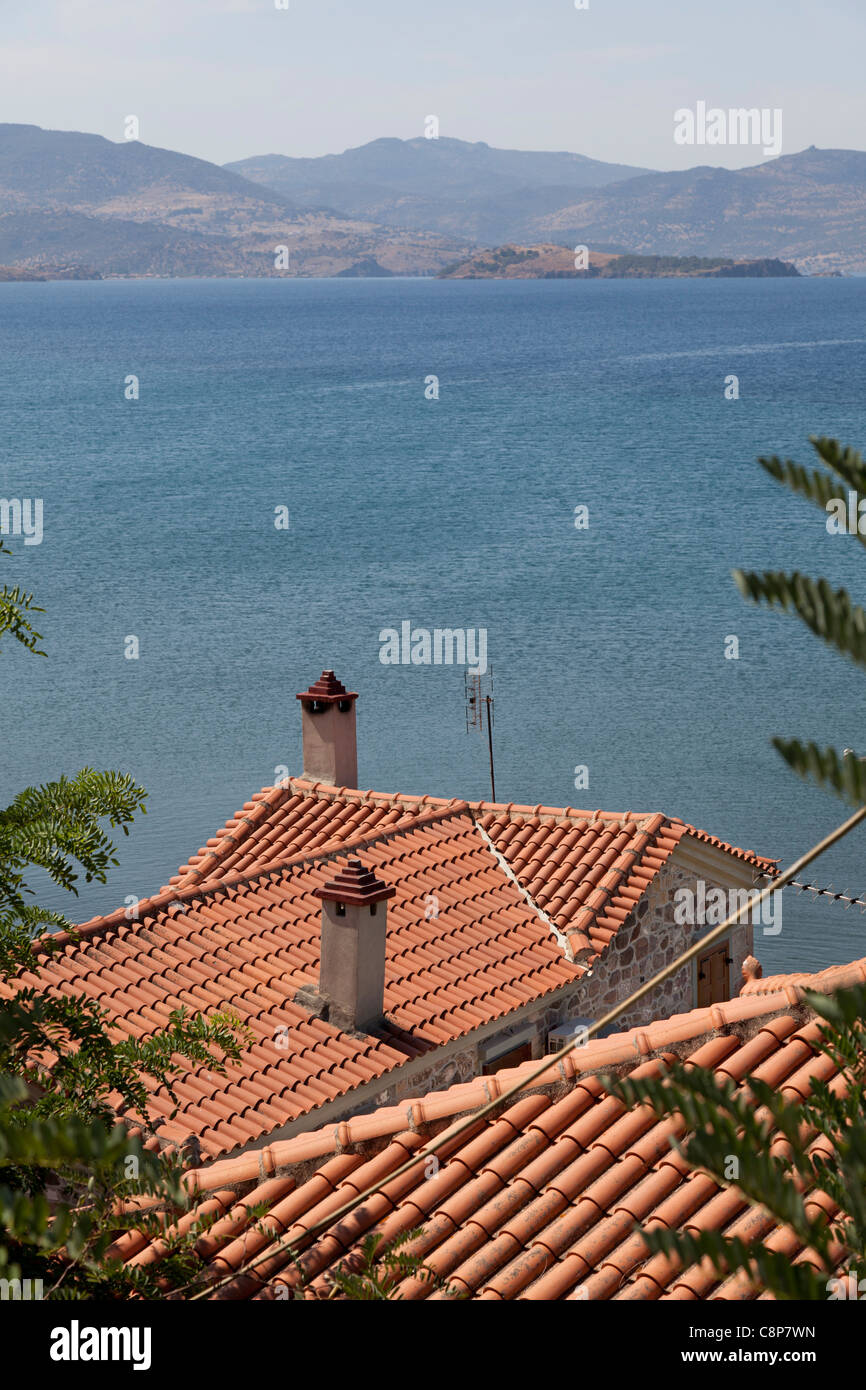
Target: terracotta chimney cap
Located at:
point(328, 690)
point(752, 969)
point(355, 885)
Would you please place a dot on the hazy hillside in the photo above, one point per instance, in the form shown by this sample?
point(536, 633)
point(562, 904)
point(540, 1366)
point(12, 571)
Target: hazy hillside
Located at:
point(446, 185)
point(113, 245)
point(130, 209)
point(406, 207)
point(46, 168)
point(119, 246)
point(808, 207)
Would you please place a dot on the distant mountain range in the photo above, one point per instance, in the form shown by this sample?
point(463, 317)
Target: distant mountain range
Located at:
point(132, 209)
point(443, 185)
point(405, 207)
point(809, 207)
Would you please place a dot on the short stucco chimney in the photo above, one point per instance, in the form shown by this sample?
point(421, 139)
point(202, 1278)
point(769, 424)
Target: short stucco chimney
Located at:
point(352, 972)
point(328, 726)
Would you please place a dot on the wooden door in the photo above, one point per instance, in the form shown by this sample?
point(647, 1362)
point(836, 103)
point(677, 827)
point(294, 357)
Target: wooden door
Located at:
point(713, 977)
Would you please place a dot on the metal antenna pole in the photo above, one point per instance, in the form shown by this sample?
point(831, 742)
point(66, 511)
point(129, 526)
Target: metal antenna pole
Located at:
point(488, 700)
point(477, 702)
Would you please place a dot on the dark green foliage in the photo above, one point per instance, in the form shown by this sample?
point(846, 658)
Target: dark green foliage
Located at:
point(15, 605)
point(661, 265)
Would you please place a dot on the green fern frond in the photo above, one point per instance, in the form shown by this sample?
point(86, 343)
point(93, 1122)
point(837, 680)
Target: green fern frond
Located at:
point(827, 612)
point(816, 486)
point(843, 774)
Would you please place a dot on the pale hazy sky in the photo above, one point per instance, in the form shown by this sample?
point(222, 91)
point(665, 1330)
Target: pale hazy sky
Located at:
point(223, 79)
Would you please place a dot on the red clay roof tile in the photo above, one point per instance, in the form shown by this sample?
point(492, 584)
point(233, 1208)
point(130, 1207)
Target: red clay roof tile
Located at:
point(539, 1201)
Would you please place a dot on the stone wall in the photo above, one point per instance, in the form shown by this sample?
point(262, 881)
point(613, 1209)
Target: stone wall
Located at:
point(648, 941)
point(438, 1076)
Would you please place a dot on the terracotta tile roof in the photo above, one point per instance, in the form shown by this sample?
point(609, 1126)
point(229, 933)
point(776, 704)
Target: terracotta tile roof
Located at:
point(834, 977)
point(251, 944)
point(587, 870)
point(526, 898)
point(538, 1201)
point(282, 822)
point(584, 869)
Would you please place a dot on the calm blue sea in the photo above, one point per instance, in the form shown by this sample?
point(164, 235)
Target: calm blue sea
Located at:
point(607, 644)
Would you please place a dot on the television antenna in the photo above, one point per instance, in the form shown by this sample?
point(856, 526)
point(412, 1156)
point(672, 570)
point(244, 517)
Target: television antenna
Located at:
point(479, 713)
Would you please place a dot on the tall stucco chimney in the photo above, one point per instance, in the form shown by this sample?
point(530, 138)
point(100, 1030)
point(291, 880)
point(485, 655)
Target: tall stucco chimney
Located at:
point(328, 726)
point(352, 972)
